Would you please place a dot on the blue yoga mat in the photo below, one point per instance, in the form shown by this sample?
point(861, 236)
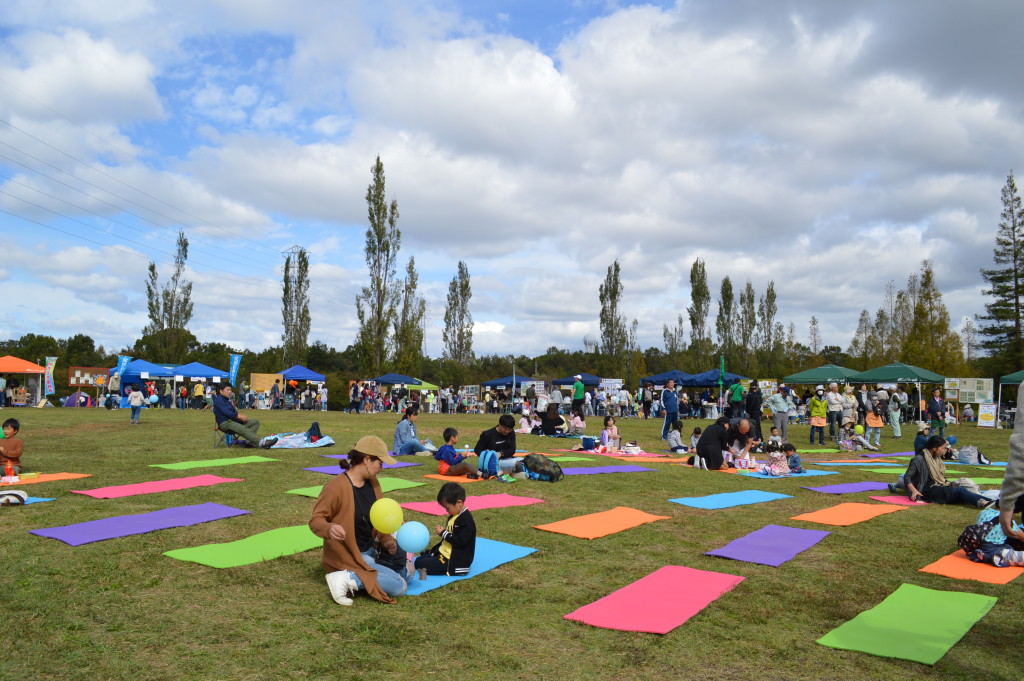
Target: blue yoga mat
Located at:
point(713, 502)
point(805, 474)
point(489, 555)
point(36, 500)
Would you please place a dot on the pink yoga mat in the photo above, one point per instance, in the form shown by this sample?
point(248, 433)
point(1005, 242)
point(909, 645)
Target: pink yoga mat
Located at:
point(659, 602)
point(155, 486)
point(473, 503)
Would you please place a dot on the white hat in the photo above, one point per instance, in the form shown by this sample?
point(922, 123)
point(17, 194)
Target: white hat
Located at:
point(578, 376)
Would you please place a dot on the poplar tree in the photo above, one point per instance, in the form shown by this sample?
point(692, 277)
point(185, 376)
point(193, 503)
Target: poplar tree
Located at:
point(295, 307)
point(614, 338)
point(458, 320)
point(700, 296)
point(815, 337)
point(1001, 325)
point(170, 308)
point(408, 325)
point(725, 321)
point(675, 339)
point(376, 303)
point(746, 323)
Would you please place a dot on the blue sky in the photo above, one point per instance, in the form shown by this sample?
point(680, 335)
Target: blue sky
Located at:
point(823, 147)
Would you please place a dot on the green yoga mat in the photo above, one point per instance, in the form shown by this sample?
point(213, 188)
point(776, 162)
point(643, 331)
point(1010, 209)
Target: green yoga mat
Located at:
point(284, 541)
point(832, 450)
point(386, 485)
point(557, 459)
point(988, 481)
point(913, 623)
point(208, 463)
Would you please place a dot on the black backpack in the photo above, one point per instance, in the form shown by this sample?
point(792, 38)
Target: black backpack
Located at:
point(973, 536)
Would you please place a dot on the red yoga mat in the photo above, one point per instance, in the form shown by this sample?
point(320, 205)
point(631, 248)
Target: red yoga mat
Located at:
point(657, 603)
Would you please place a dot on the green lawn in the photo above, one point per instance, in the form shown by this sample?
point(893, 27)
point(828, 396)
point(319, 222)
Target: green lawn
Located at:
point(119, 609)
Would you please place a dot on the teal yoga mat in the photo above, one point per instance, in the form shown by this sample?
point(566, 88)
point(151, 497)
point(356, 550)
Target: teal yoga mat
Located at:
point(210, 463)
point(284, 541)
point(912, 623)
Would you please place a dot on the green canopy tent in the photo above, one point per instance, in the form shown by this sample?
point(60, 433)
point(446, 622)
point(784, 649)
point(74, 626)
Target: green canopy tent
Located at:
point(1015, 378)
point(427, 386)
point(897, 372)
point(829, 373)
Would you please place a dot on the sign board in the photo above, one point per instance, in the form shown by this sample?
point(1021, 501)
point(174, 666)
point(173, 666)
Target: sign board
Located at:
point(986, 416)
point(767, 385)
point(952, 394)
point(471, 390)
point(264, 382)
point(179, 379)
point(954, 384)
point(80, 376)
point(611, 383)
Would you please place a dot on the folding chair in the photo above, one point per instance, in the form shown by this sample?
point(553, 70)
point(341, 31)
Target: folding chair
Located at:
point(220, 438)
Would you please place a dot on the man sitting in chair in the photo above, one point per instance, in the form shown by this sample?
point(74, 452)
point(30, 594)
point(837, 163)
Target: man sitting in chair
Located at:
point(231, 422)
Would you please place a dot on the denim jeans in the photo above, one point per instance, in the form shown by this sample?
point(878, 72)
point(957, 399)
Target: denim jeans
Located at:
point(835, 419)
point(952, 495)
point(135, 413)
point(877, 433)
point(392, 583)
point(411, 447)
point(821, 434)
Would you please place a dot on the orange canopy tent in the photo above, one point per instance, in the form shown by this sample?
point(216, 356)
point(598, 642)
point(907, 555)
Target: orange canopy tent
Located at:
point(13, 365)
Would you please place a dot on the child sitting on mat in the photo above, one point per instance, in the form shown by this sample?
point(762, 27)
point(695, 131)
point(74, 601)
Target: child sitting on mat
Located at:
point(610, 435)
point(453, 555)
point(694, 437)
point(675, 438)
point(795, 465)
point(576, 424)
point(10, 447)
point(525, 424)
point(449, 461)
point(775, 437)
point(996, 548)
point(778, 465)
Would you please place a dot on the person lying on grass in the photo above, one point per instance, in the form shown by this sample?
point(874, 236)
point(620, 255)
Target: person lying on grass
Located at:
point(353, 549)
point(453, 555)
point(926, 479)
point(449, 461)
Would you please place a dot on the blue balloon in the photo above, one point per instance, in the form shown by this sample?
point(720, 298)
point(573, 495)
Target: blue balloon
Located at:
point(413, 537)
point(951, 440)
point(153, 399)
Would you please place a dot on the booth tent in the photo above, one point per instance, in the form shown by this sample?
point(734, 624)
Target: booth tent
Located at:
point(676, 375)
point(898, 372)
point(395, 379)
point(506, 381)
point(589, 380)
point(197, 370)
point(829, 373)
point(301, 373)
point(15, 365)
point(710, 378)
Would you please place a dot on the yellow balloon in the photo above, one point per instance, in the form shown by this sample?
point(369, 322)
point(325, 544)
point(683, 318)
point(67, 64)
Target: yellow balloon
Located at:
point(386, 515)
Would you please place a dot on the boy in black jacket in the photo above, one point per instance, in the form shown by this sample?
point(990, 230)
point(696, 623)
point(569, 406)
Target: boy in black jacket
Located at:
point(452, 555)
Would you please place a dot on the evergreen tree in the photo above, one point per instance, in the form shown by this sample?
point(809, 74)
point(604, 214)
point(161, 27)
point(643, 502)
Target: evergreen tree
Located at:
point(931, 342)
point(458, 321)
point(815, 337)
point(295, 307)
point(170, 310)
point(614, 336)
point(700, 296)
point(376, 304)
point(408, 323)
point(1002, 322)
point(725, 322)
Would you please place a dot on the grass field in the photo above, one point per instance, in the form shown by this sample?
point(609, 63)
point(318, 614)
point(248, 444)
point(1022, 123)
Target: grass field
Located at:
point(119, 609)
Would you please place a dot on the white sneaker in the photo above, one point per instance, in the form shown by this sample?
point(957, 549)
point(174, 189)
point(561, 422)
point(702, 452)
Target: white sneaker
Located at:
point(430, 446)
point(704, 464)
point(342, 586)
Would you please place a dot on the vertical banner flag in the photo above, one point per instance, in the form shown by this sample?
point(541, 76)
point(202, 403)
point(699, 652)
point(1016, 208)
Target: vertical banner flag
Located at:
point(122, 364)
point(236, 360)
point(50, 363)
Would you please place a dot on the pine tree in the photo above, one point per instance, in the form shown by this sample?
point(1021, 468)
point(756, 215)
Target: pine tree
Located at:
point(295, 307)
point(458, 320)
point(170, 309)
point(700, 296)
point(376, 304)
point(1002, 322)
point(725, 322)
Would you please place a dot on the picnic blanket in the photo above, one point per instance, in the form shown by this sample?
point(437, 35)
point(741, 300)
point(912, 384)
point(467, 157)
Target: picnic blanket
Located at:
point(283, 541)
point(890, 630)
point(473, 503)
point(729, 499)
point(489, 555)
point(958, 566)
point(771, 545)
point(209, 463)
point(594, 525)
point(155, 486)
point(46, 477)
point(658, 602)
point(848, 513)
point(126, 525)
point(300, 441)
point(851, 487)
point(597, 470)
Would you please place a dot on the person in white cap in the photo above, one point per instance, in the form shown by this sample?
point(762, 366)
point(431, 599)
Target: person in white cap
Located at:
point(577, 395)
point(352, 547)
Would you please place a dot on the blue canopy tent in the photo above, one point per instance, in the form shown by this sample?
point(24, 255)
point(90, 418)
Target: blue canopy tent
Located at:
point(301, 373)
point(589, 380)
point(133, 372)
point(676, 375)
point(396, 379)
point(197, 370)
point(506, 381)
point(710, 378)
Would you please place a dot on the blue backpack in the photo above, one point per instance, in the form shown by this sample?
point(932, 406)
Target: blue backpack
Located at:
point(488, 463)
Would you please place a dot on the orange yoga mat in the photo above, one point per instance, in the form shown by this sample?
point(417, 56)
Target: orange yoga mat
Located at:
point(958, 566)
point(601, 524)
point(452, 478)
point(848, 513)
point(720, 470)
point(48, 477)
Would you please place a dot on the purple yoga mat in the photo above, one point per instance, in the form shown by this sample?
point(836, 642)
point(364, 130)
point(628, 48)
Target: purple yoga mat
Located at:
point(851, 487)
point(126, 525)
point(594, 470)
point(335, 469)
point(771, 545)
